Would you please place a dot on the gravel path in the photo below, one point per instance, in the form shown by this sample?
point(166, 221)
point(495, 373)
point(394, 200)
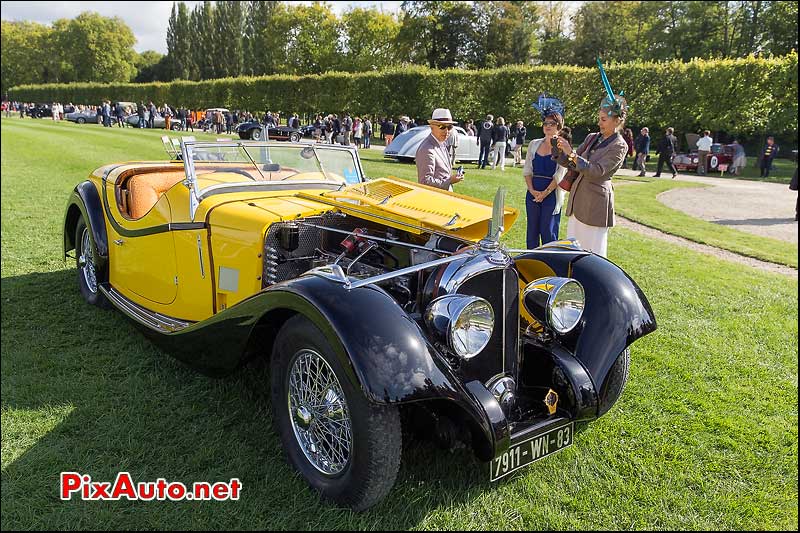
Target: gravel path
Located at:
point(765, 209)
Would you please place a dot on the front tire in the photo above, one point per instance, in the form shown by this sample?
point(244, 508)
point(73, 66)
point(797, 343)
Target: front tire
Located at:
point(91, 272)
point(345, 447)
point(81, 120)
point(256, 134)
point(615, 382)
point(294, 137)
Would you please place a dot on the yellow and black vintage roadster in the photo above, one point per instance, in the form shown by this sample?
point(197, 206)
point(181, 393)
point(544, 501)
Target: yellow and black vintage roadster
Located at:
point(370, 298)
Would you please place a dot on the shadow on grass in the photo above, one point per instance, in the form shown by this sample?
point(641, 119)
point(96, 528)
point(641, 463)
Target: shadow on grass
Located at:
point(85, 391)
point(754, 221)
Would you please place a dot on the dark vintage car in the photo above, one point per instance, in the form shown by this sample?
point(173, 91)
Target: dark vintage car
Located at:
point(719, 159)
point(40, 111)
point(255, 130)
point(368, 299)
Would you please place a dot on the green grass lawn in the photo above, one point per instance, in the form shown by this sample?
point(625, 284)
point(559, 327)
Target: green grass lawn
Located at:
point(704, 437)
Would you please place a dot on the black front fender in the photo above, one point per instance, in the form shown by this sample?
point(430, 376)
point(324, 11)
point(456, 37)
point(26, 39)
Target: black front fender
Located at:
point(616, 314)
point(85, 202)
point(389, 355)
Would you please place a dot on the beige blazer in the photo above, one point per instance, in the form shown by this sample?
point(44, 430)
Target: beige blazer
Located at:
point(527, 170)
point(591, 199)
point(434, 166)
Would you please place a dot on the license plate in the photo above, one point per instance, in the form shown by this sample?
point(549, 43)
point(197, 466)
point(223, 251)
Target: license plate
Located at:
point(530, 450)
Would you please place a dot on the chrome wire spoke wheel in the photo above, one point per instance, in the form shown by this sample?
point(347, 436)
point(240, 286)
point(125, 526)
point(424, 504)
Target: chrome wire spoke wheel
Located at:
point(318, 413)
point(86, 262)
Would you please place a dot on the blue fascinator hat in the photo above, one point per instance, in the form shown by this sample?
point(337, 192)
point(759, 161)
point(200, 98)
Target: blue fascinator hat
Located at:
point(547, 105)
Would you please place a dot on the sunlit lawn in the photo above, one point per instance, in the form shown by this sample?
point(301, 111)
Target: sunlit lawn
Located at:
point(705, 436)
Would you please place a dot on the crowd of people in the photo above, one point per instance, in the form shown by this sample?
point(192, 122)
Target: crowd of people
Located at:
point(667, 148)
point(550, 168)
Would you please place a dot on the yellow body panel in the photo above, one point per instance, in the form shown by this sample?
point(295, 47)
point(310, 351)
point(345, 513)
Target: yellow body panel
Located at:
point(237, 240)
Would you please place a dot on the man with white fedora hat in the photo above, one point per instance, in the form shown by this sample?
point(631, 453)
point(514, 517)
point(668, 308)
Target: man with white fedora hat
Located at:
point(434, 166)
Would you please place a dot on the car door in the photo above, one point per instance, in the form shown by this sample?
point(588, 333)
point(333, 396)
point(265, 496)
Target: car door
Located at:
point(142, 252)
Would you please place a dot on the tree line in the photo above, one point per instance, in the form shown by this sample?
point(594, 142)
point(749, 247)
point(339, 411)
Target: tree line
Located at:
point(230, 39)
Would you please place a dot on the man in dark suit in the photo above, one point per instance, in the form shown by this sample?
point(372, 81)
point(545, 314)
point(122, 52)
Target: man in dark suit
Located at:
point(666, 151)
point(485, 140)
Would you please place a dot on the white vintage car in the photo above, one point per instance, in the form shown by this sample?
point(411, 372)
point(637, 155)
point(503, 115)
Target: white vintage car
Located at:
point(404, 146)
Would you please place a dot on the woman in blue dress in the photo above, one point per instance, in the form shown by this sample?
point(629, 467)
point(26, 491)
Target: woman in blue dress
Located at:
point(544, 198)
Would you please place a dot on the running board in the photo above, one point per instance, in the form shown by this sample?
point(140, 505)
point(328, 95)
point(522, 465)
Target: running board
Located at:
point(151, 319)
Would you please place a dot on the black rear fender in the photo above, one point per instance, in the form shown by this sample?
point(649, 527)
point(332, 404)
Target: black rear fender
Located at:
point(85, 202)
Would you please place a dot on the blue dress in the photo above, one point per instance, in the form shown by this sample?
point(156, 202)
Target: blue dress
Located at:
point(542, 223)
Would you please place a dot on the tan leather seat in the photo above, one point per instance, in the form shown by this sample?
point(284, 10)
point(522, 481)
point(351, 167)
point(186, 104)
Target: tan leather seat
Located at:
point(145, 190)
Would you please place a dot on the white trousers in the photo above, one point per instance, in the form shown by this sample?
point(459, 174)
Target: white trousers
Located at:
point(592, 238)
point(499, 155)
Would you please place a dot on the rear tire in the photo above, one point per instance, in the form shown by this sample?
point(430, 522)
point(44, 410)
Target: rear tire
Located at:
point(294, 137)
point(91, 272)
point(345, 447)
point(81, 120)
point(256, 134)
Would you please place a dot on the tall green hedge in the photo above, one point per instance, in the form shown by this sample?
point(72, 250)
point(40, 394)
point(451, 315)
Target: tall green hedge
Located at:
point(743, 96)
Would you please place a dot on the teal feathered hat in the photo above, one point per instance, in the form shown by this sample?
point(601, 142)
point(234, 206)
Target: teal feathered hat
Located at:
point(614, 104)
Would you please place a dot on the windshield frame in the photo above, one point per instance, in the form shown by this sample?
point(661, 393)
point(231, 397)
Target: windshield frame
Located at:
point(196, 195)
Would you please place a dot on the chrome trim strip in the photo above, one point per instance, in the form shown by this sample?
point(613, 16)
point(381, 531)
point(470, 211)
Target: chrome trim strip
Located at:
point(200, 254)
point(389, 275)
point(374, 238)
point(331, 272)
point(245, 186)
point(505, 307)
point(570, 244)
point(451, 281)
point(551, 251)
point(155, 321)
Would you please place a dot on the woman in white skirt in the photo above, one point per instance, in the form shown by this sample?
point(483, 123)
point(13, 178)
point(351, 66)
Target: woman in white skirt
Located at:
point(591, 201)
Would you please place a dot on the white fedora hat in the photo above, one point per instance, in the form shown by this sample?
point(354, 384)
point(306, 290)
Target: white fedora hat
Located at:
point(441, 115)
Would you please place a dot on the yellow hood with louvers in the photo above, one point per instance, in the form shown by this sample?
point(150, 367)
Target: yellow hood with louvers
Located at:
point(416, 205)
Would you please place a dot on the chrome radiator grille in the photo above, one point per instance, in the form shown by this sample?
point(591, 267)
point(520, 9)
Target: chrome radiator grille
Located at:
point(500, 287)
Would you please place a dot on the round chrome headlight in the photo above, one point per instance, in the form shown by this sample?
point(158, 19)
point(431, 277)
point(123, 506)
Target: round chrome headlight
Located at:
point(464, 322)
point(556, 302)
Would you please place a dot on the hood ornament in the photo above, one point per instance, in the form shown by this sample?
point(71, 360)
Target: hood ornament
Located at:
point(491, 243)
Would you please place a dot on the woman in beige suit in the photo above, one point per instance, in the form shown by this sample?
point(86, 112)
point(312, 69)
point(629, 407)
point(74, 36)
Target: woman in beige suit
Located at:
point(591, 201)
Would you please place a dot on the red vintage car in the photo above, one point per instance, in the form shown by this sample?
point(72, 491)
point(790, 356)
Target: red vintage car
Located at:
point(720, 159)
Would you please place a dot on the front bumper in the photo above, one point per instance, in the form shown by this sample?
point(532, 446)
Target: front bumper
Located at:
point(558, 370)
